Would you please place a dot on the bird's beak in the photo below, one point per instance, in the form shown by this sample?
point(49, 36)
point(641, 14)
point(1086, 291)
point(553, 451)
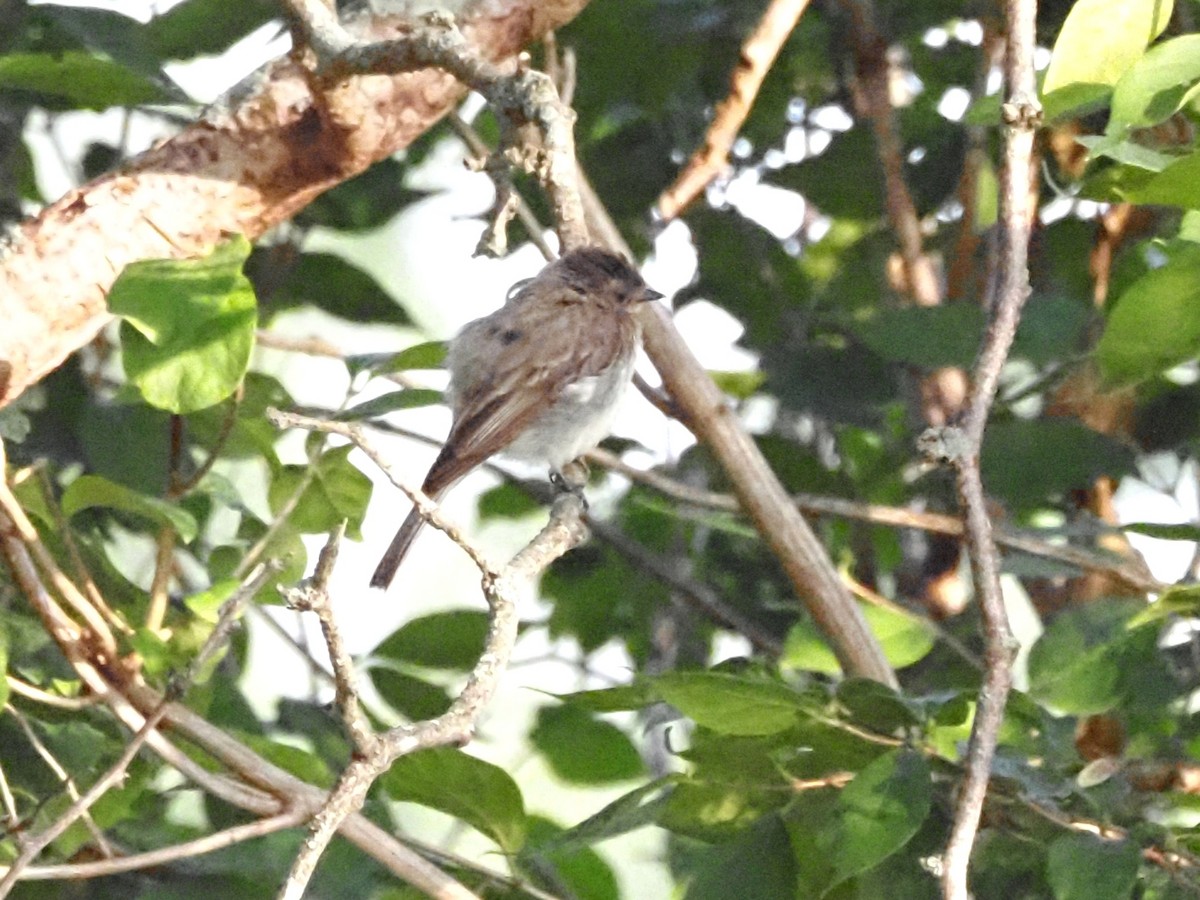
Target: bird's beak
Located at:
point(648, 295)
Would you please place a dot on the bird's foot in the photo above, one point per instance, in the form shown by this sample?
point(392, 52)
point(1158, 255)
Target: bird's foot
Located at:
point(571, 479)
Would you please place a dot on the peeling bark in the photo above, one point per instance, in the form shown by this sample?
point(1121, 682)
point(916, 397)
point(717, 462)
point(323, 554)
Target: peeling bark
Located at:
point(241, 169)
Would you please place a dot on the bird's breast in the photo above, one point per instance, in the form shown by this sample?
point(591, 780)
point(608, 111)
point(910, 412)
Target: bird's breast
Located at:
point(579, 419)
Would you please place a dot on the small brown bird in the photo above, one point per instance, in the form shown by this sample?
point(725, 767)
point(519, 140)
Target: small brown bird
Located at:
point(540, 378)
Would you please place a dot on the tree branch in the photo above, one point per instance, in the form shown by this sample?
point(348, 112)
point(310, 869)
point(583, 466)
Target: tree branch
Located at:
point(164, 855)
point(242, 169)
point(758, 55)
point(1021, 115)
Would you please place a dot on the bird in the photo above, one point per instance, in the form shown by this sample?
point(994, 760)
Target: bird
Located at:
point(538, 380)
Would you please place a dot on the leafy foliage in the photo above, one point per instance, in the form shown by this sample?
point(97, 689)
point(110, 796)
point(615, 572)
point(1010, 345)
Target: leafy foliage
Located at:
point(770, 774)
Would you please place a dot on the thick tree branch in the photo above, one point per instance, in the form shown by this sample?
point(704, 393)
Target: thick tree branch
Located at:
point(242, 169)
point(711, 418)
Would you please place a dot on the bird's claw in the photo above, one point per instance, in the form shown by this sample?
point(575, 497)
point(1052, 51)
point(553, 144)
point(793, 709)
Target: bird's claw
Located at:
point(567, 485)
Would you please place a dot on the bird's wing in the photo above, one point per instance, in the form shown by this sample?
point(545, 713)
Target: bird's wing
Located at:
point(494, 406)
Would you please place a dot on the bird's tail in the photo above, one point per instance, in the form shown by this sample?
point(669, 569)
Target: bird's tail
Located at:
point(389, 563)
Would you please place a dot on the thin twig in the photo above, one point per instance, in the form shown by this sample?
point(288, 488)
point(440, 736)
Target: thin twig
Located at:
point(873, 96)
point(259, 548)
point(310, 346)
point(164, 855)
point(61, 774)
point(694, 593)
point(428, 509)
point(12, 823)
point(115, 774)
point(164, 568)
point(533, 228)
point(68, 538)
point(876, 599)
point(313, 596)
point(27, 534)
point(1022, 114)
point(456, 725)
point(84, 657)
point(754, 62)
point(37, 695)
point(1023, 541)
point(1018, 539)
point(292, 641)
point(228, 616)
point(519, 98)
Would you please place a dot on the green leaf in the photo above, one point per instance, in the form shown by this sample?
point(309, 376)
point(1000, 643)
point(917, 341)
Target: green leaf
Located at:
point(580, 869)
point(640, 807)
point(717, 811)
point(1157, 85)
point(1174, 185)
point(758, 865)
point(1174, 532)
point(336, 491)
point(741, 385)
point(443, 640)
point(506, 501)
point(599, 596)
point(1027, 461)
point(1177, 600)
point(429, 355)
point(1155, 323)
point(729, 704)
point(325, 281)
point(582, 749)
point(1086, 867)
point(905, 639)
point(88, 491)
point(1099, 41)
point(188, 327)
point(614, 699)
point(405, 398)
point(414, 697)
point(875, 705)
point(479, 793)
point(926, 336)
point(1088, 660)
point(79, 80)
point(197, 27)
point(1123, 151)
point(880, 811)
point(206, 605)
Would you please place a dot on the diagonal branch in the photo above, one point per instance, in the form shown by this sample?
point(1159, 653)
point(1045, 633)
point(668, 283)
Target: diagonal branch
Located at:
point(758, 55)
point(376, 752)
point(763, 498)
point(258, 786)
